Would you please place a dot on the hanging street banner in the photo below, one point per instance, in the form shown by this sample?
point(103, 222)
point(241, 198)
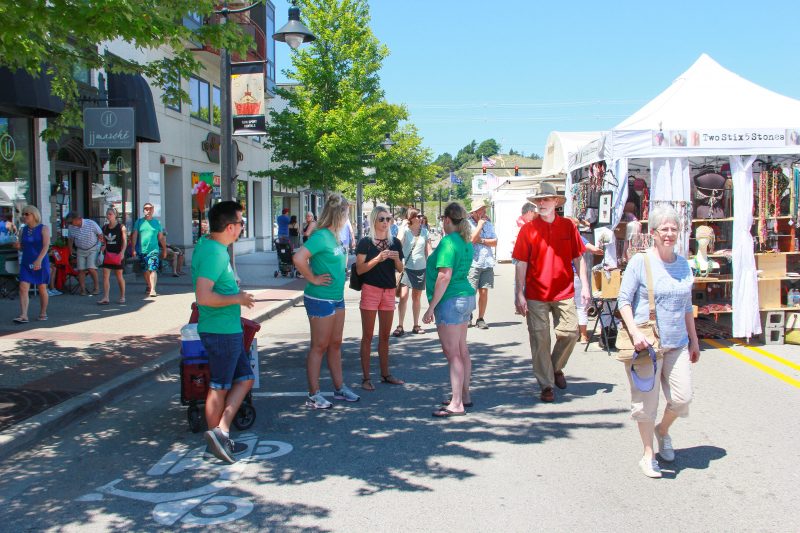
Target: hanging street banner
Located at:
point(247, 98)
point(108, 128)
point(728, 138)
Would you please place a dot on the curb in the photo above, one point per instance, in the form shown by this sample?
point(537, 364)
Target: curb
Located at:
point(47, 422)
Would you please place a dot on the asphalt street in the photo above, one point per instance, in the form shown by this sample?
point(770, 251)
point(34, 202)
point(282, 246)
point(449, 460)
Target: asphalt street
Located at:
point(511, 464)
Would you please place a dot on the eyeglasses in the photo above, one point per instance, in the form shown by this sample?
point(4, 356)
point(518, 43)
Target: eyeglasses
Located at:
point(384, 219)
point(240, 222)
point(26, 214)
point(148, 208)
point(666, 231)
point(420, 216)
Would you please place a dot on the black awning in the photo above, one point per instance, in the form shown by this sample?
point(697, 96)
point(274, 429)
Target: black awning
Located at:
point(132, 90)
point(23, 94)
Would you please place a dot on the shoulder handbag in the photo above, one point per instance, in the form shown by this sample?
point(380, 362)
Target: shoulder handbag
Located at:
point(355, 279)
point(627, 352)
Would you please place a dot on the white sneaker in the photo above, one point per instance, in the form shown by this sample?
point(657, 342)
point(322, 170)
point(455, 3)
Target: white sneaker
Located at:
point(54, 292)
point(346, 394)
point(318, 401)
point(650, 467)
point(665, 449)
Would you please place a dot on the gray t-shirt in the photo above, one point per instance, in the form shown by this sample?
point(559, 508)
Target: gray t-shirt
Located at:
point(672, 291)
point(416, 255)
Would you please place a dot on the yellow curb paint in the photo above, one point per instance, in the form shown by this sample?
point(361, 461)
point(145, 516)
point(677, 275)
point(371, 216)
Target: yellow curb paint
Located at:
point(772, 356)
point(761, 366)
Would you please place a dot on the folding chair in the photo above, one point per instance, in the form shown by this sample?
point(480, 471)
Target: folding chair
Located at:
point(66, 275)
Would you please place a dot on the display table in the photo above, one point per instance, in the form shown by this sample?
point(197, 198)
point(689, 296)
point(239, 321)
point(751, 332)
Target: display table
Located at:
point(606, 306)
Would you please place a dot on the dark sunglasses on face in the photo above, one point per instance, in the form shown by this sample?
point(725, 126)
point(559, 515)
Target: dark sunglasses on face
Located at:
point(239, 222)
point(384, 219)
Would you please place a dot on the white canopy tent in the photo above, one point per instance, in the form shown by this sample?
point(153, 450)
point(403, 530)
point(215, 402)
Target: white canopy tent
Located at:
point(708, 111)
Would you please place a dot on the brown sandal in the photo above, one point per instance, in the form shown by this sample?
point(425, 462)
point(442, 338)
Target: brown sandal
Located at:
point(391, 380)
point(417, 329)
point(366, 384)
point(398, 331)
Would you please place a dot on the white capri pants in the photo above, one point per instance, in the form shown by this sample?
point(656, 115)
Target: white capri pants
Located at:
point(581, 309)
point(674, 375)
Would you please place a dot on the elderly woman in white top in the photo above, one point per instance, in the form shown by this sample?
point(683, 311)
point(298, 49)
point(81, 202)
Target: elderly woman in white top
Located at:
point(672, 288)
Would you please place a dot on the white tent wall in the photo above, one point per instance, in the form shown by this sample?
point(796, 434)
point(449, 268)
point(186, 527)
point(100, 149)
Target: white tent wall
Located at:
point(507, 205)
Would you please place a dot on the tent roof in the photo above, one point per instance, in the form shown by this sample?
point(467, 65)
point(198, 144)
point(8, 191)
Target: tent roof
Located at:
point(559, 145)
point(710, 96)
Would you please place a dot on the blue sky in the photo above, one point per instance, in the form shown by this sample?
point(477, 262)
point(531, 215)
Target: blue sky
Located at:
point(515, 70)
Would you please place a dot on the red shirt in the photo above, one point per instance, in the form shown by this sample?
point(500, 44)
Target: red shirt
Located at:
point(549, 249)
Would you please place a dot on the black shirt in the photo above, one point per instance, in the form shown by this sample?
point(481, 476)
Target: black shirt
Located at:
point(381, 275)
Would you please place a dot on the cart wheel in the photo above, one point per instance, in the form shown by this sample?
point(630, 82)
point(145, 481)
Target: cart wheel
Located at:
point(245, 417)
point(276, 273)
point(195, 419)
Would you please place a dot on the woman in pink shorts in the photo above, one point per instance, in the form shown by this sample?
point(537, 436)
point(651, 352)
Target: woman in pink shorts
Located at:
point(378, 258)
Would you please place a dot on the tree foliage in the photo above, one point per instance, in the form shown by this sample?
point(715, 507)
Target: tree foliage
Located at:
point(487, 148)
point(337, 113)
point(60, 37)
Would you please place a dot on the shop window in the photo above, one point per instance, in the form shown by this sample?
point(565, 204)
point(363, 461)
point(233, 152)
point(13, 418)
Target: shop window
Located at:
point(241, 194)
point(177, 105)
point(113, 187)
point(215, 106)
point(198, 93)
point(16, 166)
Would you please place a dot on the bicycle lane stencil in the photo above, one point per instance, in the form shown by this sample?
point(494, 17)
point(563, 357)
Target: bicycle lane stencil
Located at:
point(203, 505)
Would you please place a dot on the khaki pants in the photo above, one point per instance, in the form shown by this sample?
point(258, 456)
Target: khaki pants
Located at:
point(545, 362)
point(673, 375)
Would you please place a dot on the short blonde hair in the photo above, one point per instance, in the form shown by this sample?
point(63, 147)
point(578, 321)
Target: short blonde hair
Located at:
point(33, 211)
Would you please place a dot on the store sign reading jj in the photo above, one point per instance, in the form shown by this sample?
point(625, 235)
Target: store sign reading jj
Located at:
point(728, 138)
point(108, 128)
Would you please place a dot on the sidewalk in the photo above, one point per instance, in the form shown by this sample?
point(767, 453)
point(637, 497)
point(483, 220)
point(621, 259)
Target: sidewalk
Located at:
point(85, 354)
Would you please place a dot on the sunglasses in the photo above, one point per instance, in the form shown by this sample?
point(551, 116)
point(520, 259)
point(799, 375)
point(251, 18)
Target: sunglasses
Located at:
point(26, 214)
point(240, 222)
point(384, 219)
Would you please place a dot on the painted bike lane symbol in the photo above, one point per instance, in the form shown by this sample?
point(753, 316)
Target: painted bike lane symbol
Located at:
point(202, 505)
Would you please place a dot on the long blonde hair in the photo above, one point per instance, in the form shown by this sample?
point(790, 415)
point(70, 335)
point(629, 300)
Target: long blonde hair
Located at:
point(373, 221)
point(333, 214)
point(458, 216)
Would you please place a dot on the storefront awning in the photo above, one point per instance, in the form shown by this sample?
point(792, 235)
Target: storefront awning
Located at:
point(132, 90)
point(23, 94)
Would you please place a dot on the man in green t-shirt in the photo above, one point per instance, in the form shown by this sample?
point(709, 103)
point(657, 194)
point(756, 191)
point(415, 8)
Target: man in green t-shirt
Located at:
point(150, 246)
point(219, 301)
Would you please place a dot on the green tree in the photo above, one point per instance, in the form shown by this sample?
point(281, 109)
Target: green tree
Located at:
point(466, 155)
point(487, 148)
point(337, 113)
point(61, 37)
point(445, 161)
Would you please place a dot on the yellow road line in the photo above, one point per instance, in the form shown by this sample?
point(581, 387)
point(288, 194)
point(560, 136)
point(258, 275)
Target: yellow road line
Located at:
point(772, 356)
point(759, 365)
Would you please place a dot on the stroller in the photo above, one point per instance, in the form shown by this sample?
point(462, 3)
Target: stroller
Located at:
point(285, 264)
point(195, 377)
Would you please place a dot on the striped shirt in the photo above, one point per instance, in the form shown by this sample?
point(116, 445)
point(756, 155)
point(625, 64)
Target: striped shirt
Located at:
point(87, 236)
point(672, 292)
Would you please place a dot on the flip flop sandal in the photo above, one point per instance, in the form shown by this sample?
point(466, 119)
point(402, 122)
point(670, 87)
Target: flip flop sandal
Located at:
point(398, 332)
point(446, 402)
point(391, 380)
point(103, 302)
point(417, 330)
point(42, 318)
point(446, 413)
point(366, 384)
point(20, 320)
point(122, 300)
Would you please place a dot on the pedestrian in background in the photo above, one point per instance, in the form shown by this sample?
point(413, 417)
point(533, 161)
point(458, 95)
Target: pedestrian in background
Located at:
point(416, 248)
point(283, 221)
point(451, 300)
point(309, 226)
point(378, 258)
point(86, 236)
point(115, 241)
point(481, 273)
point(547, 248)
point(294, 232)
point(219, 302)
point(34, 240)
point(321, 260)
point(150, 245)
point(672, 289)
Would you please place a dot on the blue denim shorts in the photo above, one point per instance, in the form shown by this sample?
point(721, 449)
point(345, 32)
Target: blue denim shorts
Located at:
point(319, 308)
point(454, 311)
point(227, 360)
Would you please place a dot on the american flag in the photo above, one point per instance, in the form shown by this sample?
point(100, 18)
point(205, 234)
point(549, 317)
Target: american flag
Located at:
point(454, 179)
point(487, 162)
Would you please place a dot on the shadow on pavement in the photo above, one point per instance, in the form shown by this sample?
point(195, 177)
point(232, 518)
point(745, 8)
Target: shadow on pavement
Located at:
point(694, 458)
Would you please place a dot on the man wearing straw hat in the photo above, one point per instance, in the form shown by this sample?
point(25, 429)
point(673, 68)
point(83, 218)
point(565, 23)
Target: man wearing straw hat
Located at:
point(546, 249)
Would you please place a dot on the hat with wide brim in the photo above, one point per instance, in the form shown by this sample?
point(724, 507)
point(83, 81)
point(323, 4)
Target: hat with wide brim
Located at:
point(548, 190)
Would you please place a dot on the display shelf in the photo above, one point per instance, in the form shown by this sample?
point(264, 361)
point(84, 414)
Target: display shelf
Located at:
point(729, 279)
point(728, 311)
point(698, 220)
point(774, 253)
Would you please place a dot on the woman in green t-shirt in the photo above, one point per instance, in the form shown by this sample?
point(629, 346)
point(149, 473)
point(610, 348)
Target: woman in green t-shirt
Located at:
point(451, 299)
point(322, 261)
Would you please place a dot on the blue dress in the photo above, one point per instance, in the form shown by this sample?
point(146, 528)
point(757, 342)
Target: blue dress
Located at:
point(31, 241)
